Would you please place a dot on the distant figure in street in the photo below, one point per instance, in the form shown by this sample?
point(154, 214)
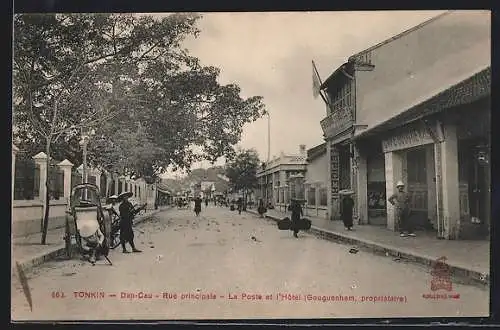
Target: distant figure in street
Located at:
point(346, 211)
point(206, 202)
point(126, 216)
point(401, 201)
point(261, 208)
point(197, 206)
point(239, 204)
point(297, 212)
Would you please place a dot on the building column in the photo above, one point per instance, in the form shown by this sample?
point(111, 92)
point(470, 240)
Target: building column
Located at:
point(275, 187)
point(116, 178)
point(431, 184)
point(66, 166)
point(97, 174)
point(361, 186)
point(41, 161)
point(449, 183)
point(14, 153)
point(108, 183)
point(393, 173)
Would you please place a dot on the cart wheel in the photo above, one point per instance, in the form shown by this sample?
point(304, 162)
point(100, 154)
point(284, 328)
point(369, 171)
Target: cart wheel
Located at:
point(115, 242)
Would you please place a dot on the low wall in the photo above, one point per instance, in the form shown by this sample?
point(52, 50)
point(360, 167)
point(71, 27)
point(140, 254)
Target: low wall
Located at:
point(320, 212)
point(27, 216)
point(311, 211)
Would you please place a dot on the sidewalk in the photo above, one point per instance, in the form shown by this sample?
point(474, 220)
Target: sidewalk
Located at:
point(30, 253)
point(469, 260)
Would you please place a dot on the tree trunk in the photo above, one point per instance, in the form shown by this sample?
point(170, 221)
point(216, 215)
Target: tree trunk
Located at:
point(47, 195)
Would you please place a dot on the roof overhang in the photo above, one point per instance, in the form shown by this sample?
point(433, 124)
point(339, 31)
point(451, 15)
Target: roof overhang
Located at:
point(339, 72)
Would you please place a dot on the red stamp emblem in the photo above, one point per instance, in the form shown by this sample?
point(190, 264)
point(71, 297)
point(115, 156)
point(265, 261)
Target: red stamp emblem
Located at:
point(441, 275)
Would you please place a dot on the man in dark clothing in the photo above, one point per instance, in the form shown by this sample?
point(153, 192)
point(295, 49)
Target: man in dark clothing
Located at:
point(297, 212)
point(239, 203)
point(126, 232)
point(346, 211)
point(197, 206)
point(401, 201)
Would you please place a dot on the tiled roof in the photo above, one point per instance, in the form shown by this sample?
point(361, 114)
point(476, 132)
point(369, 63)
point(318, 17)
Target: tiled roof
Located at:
point(316, 151)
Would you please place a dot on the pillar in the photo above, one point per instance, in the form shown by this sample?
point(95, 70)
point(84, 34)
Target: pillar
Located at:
point(108, 183)
point(14, 153)
point(361, 186)
point(449, 183)
point(393, 173)
point(66, 166)
point(431, 184)
point(97, 174)
point(117, 179)
point(41, 161)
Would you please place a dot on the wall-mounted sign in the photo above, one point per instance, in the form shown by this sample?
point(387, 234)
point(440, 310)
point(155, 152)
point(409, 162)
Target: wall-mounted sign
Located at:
point(334, 170)
point(407, 138)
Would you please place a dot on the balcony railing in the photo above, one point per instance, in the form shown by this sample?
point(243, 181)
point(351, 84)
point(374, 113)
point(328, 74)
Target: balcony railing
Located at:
point(338, 121)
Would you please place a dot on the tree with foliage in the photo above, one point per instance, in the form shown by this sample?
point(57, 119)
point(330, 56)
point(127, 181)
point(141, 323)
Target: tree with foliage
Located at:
point(242, 171)
point(127, 77)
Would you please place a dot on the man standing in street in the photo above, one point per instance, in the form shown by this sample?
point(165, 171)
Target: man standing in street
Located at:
point(239, 204)
point(297, 212)
point(126, 218)
point(401, 201)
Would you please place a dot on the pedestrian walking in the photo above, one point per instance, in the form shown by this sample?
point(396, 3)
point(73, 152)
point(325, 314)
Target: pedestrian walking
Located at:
point(261, 209)
point(401, 201)
point(297, 212)
point(197, 206)
point(126, 216)
point(206, 202)
point(346, 210)
point(239, 204)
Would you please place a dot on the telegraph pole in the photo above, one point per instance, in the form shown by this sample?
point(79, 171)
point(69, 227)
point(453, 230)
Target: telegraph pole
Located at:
point(268, 137)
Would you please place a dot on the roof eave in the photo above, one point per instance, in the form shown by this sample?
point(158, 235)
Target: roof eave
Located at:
point(333, 76)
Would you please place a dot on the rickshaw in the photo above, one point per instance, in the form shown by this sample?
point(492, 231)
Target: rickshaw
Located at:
point(92, 223)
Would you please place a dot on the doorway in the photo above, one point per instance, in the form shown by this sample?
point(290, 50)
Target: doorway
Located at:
point(474, 169)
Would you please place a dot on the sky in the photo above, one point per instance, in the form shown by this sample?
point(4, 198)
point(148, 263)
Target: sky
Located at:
point(270, 54)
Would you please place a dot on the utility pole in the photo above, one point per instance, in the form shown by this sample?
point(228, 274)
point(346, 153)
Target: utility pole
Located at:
point(268, 136)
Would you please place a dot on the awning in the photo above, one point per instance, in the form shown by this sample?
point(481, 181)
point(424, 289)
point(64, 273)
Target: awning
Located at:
point(163, 189)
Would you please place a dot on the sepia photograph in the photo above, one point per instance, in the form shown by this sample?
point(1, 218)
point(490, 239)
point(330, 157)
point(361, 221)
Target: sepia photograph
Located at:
point(251, 165)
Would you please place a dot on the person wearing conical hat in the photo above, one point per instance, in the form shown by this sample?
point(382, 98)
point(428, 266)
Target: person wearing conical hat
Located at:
point(126, 217)
point(401, 200)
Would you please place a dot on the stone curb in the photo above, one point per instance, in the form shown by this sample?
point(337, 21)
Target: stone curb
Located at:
point(60, 250)
point(460, 273)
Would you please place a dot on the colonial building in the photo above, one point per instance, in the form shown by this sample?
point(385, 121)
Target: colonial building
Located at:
point(416, 108)
point(274, 184)
point(315, 183)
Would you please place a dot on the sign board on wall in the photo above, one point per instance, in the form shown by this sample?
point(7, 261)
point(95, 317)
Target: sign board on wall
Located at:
point(406, 138)
point(334, 168)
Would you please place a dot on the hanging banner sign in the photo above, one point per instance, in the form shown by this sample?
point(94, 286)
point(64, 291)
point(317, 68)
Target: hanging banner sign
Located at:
point(407, 138)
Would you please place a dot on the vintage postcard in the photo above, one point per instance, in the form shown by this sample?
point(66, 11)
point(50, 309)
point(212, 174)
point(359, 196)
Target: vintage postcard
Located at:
point(251, 165)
